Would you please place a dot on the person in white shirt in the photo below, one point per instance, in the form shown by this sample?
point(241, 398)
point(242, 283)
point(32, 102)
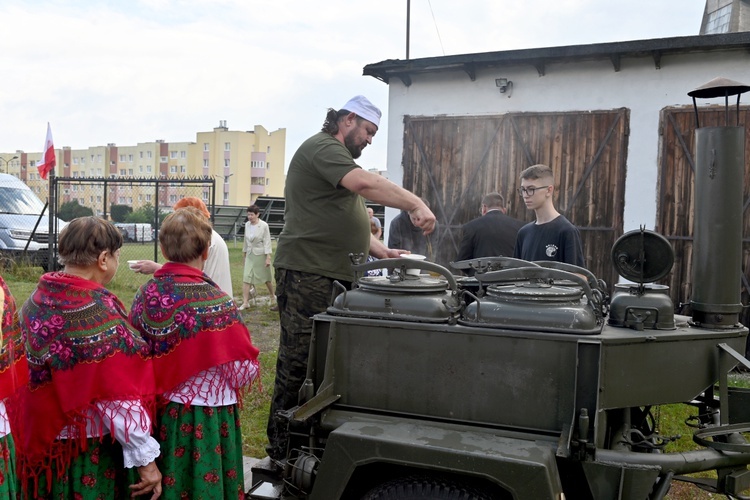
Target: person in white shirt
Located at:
point(217, 264)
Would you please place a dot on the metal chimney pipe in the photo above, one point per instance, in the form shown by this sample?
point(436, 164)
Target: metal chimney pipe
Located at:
point(717, 225)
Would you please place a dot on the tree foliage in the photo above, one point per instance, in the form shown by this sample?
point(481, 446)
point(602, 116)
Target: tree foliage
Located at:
point(72, 209)
point(144, 215)
point(119, 213)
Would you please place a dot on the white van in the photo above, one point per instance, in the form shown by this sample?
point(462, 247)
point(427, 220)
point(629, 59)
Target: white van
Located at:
point(19, 213)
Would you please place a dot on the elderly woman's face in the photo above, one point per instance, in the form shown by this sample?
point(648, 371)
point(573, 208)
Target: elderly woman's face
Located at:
point(253, 217)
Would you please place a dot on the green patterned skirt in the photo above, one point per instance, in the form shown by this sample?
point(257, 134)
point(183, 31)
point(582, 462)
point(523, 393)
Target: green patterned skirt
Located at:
point(201, 452)
point(9, 487)
point(96, 474)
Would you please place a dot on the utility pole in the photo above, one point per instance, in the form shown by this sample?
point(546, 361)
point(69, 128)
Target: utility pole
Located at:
point(408, 23)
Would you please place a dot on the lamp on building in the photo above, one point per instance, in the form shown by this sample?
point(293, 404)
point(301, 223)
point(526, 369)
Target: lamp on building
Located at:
point(504, 85)
point(7, 163)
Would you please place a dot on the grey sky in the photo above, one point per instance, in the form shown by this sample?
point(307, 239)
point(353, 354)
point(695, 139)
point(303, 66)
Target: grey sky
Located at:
point(129, 71)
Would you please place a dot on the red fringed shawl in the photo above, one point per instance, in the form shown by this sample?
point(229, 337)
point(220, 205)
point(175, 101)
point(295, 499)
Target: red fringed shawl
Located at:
point(81, 350)
point(13, 369)
point(191, 325)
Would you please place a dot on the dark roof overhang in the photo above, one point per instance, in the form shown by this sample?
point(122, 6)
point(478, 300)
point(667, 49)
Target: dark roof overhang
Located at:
point(615, 52)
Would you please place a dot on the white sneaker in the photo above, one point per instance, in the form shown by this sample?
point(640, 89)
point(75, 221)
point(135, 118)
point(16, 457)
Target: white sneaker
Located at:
point(243, 307)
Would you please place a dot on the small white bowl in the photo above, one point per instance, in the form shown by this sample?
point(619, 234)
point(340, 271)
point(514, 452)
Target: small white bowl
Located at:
point(132, 263)
point(413, 256)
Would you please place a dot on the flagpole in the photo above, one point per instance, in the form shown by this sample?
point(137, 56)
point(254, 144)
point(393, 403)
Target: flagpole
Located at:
point(51, 236)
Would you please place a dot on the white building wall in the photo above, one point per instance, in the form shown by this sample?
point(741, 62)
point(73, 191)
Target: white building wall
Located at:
point(591, 85)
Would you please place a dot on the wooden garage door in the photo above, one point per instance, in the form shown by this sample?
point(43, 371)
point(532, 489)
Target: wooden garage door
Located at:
point(675, 206)
point(454, 161)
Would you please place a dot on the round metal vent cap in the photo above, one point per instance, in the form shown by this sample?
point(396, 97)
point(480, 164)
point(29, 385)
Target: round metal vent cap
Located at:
point(642, 256)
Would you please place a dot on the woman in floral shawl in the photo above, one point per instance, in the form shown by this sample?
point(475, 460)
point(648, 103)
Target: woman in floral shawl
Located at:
point(13, 374)
point(89, 376)
point(203, 357)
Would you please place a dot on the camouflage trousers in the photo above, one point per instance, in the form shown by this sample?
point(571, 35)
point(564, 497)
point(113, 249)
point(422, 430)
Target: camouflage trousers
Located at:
point(300, 296)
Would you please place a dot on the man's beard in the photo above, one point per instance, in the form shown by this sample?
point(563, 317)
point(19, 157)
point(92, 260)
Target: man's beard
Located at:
point(353, 148)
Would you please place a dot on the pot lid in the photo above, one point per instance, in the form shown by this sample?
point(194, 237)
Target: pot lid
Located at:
point(424, 283)
point(535, 291)
point(642, 256)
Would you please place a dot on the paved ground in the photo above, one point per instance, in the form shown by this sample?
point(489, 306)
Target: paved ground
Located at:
point(247, 464)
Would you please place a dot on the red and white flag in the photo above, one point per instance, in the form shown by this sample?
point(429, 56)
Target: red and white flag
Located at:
point(50, 160)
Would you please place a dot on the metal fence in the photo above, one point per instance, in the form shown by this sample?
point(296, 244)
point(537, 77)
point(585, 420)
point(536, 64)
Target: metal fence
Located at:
point(147, 195)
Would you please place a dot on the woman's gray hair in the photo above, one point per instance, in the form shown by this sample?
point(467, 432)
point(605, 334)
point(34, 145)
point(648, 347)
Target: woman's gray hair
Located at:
point(85, 238)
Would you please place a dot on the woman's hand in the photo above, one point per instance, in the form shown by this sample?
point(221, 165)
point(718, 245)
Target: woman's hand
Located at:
point(146, 267)
point(268, 260)
point(150, 482)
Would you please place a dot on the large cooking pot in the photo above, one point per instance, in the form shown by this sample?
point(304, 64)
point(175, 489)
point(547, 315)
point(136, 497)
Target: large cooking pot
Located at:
point(431, 297)
point(536, 298)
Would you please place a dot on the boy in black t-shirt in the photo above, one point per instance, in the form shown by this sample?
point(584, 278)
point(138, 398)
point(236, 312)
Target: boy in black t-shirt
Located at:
point(551, 236)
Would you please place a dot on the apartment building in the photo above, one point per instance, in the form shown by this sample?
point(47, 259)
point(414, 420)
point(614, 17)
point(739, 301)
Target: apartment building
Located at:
point(245, 164)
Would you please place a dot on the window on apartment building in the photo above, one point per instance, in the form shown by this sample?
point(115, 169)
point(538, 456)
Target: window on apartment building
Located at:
point(149, 154)
point(75, 161)
point(130, 200)
point(205, 162)
point(163, 159)
point(183, 154)
point(205, 146)
point(91, 172)
point(148, 198)
point(121, 200)
point(83, 160)
point(268, 181)
point(268, 166)
point(172, 199)
point(173, 154)
point(140, 169)
point(92, 158)
point(130, 158)
point(140, 198)
point(173, 169)
point(183, 169)
point(81, 201)
point(148, 169)
point(226, 162)
point(227, 146)
point(140, 154)
point(98, 199)
point(75, 188)
point(718, 20)
point(226, 197)
point(268, 149)
point(99, 172)
point(122, 157)
point(123, 172)
point(99, 158)
point(130, 172)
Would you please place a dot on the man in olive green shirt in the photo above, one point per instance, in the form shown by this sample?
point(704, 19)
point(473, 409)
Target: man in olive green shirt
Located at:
point(325, 219)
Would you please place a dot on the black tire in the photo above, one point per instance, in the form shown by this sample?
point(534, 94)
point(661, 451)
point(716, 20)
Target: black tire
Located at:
point(424, 488)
